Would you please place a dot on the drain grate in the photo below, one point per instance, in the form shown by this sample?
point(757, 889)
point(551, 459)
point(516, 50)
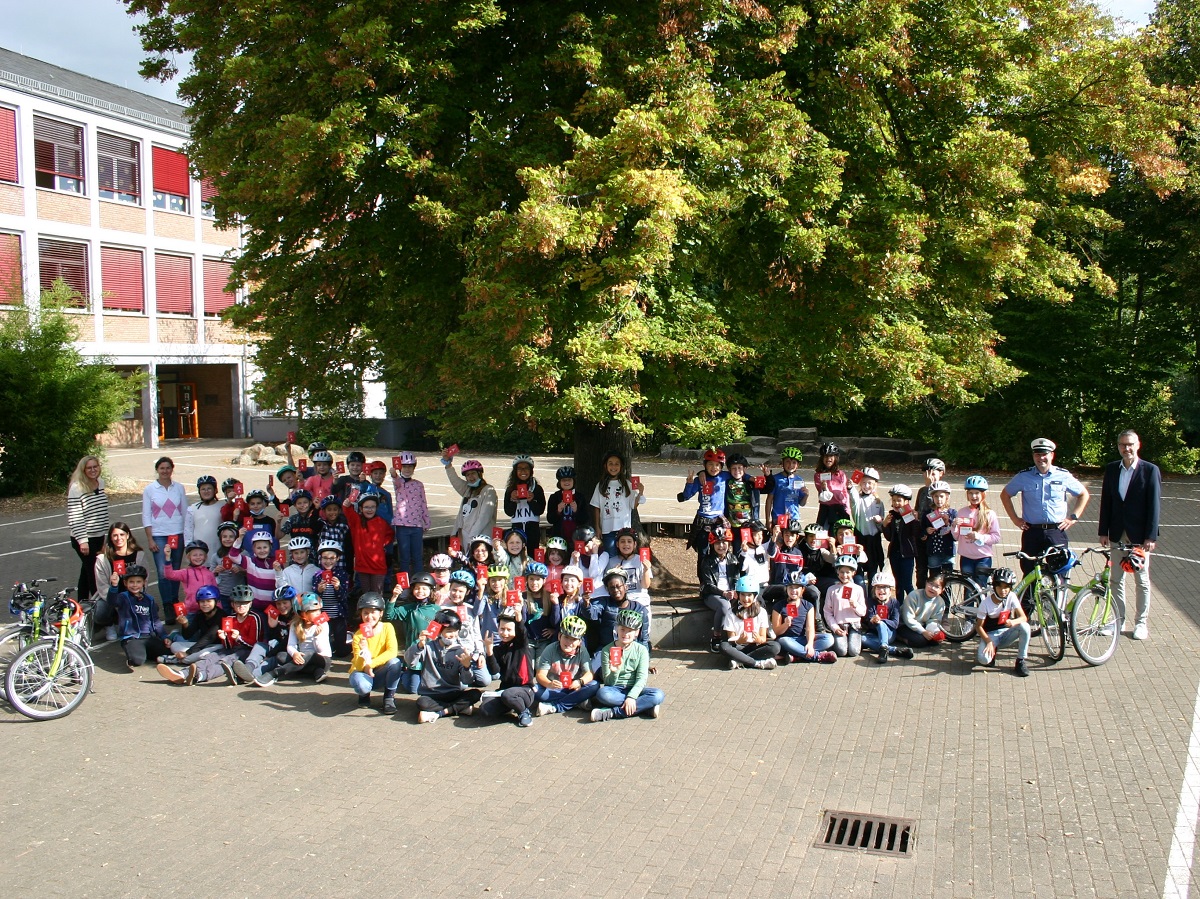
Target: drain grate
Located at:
point(875, 834)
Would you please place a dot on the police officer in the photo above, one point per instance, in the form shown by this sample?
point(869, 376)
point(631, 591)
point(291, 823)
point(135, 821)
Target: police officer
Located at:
point(1044, 489)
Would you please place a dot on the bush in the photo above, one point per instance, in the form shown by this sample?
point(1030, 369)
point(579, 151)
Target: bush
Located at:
point(338, 432)
point(54, 401)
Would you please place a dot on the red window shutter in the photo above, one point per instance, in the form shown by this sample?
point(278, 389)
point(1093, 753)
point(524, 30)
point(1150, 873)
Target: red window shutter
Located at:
point(8, 145)
point(218, 293)
point(122, 279)
point(173, 284)
point(12, 291)
point(58, 148)
point(170, 172)
point(66, 260)
point(207, 191)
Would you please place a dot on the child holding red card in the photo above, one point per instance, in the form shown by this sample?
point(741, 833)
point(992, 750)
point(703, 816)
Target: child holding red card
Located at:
point(614, 499)
point(139, 628)
point(371, 536)
point(562, 509)
point(120, 551)
point(229, 574)
point(564, 670)
point(903, 533)
point(1001, 621)
point(882, 620)
point(299, 572)
point(741, 498)
point(510, 659)
point(375, 662)
point(558, 556)
point(793, 620)
point(320, 483)
point(195, 576)
point(638, 573)
point(938, 528)
point(256, 504)
point(832, 487)
point(308, 646)
point(331, 583)
point(624, 670)
point(525, 500)
point(446, 665)
point(755, 558)
point(410, 514)
point(719, 573)
point(868, 512)
point(978, 532)
point(845, 542)
point(845, 606)
point(709, 486)
point(477, 512)
point(786, 492)
point(747, 642)
point(304, 520)
point(604, 611)
point(511, 552)
point(259, 565)
point(593, 561)
point(409, 612)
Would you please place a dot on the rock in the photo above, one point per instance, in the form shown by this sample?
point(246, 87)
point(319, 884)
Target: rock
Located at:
point(800, 444)
point(243, 459)
point(758, 461)
point(764, 442)
point(807, 435)
point(743, 448)
point(844, 442)
point(666, 451)
point(887, 443)
point(874, 455)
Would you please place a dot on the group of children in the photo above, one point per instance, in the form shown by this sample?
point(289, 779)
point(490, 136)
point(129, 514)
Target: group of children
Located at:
point(793, 592)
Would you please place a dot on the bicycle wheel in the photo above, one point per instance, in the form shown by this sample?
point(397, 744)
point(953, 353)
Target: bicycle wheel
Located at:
point(37, 693)
point(12, 640)
point(1095, 626)
point(1048, 618)
point(962, 600)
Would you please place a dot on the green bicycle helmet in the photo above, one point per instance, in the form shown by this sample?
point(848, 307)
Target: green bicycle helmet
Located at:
point(241, 593)
point(792, 452)
point(573, 626)
point(630, 618)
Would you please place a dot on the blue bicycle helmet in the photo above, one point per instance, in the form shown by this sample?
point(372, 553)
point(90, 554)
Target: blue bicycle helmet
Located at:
point(975, 482)
point(462, 576)
point(536, 569)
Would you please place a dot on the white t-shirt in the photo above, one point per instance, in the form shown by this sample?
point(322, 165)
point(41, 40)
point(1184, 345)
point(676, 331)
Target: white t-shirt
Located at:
point(616, 509)
point(991, 607)
point(735, 623)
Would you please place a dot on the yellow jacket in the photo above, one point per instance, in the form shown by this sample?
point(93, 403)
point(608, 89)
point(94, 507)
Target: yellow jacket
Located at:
point(381, 646)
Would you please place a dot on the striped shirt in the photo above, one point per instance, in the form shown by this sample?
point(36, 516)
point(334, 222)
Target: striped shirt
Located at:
point(87, 513)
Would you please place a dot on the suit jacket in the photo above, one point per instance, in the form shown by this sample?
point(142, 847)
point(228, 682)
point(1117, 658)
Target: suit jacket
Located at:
point(1137, 514)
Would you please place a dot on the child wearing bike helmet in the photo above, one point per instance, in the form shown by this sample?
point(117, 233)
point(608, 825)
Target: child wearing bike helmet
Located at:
point(299, 572)
point(794, 622)
point(409, 612)
point(305, 520)
point(755, 559)
point(938, 528)
point(708, 485)
point(195, 576)
point(200, 522)
point(290, 479)
point(308, 647)
point(525, 500)
point(845, 606)
point(614, 499)
point(410, 515)
point(935, 470)
point(353, 479)
point(747, 642)
point(868, 519)
point(320, 483)
point(741, 498)
point(1000, 620)
point(845, 537)
point(719, 573)
point(332, 584)
point(603, 612)
point(139, 627)
point(510, 658)
point(558, 556)
point(564, 670)
point(638, 573)
point(198, 634)
point(786, 492)
point(234, 507)
point(787, 554)
point(371, 536)
point(271, 650)
point(624, 671)
point(977, 532)
point(477, 513)
point(439, 569)
point(467, 601)
point(832, 485)
point(562, 509)
point(882, 621)
point(375, 662)
point(228, 573)
point(903, 537)
point(446, 665)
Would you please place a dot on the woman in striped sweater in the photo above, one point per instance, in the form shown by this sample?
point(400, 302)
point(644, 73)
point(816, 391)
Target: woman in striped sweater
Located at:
point(87, 518)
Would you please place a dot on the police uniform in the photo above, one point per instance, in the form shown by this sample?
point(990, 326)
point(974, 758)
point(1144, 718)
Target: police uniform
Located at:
point(1044, 506)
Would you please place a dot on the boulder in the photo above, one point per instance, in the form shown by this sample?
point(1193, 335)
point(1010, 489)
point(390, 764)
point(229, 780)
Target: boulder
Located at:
point(744, 448)
point(807, 435)
point(764, 442)
point(243, 459)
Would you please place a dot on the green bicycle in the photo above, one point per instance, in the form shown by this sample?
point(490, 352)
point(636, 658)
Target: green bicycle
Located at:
point(1095, 617)
point(52, 676)
point(1039, 594)
point(25, 604)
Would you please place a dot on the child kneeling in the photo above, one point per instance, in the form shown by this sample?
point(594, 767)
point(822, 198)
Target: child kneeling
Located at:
point(624, 668)
point(1000, 621)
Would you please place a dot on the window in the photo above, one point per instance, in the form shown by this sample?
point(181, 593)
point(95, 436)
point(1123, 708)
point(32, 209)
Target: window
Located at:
point(218, 292)
point(173, 284)
point(12, 291)
point(170, 180)
point(58, 155)
point(67, 260)
point(122, 279)
point(118, 168)
point(8, 144)
point(207, 192)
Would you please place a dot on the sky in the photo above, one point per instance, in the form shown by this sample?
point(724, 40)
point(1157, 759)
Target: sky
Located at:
point(96, 37)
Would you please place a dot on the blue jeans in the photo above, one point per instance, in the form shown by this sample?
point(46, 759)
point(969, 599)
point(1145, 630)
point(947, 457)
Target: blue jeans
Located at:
point(410, 682)
point(567, 699)
point(608, 543)
point(977, 570)
point(1018, 633)
point(169, 590)
point(902, 570)
point(409, 546)
point(877, 637)
point(614, 696)
point(937, 562)
point(386, 679)
point(799, 652)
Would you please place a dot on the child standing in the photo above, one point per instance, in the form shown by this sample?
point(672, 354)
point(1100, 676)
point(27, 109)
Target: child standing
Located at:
point(371, 536)
point(868, 519)
point(831, 481)
point(562, 510)
point(939, 528)
point(525, 500)
point(709, 485)
point(299, 572)
point(477, 513)
point(195, 576)
point(903, 537)
point(615, 499)
point(845, 606)
point(978, 532)
point(332, 586)
point(411, 516)
point(203, 516)
point(786, 492)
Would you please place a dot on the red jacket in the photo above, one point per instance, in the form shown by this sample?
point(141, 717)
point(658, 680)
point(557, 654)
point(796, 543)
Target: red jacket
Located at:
point(370, 538)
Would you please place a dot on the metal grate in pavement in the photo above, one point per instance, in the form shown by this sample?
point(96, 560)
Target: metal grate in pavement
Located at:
point(874, 834)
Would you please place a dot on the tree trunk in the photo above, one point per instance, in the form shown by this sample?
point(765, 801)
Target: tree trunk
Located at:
point(592, 443)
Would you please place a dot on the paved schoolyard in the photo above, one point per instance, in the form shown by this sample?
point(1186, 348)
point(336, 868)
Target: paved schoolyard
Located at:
point(1066, 783)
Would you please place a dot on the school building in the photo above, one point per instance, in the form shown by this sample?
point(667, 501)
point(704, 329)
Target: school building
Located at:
point(95, 190)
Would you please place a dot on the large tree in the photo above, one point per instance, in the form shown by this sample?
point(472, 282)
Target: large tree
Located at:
point(636, 214)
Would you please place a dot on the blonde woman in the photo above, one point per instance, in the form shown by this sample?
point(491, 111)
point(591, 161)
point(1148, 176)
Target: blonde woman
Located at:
point(87, 519)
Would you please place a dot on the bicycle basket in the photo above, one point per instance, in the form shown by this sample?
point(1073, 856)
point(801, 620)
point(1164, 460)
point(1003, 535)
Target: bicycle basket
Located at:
point(1060, 560)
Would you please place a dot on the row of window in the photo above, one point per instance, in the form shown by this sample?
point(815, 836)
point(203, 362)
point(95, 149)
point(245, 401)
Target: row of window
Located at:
point(122, 276)
point(59, 154)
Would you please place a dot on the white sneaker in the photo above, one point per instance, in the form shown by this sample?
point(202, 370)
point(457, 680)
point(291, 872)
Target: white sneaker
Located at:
point(544, 708)
point(1141, 632)
point(766, 664)
point(110, 633)
point(426, 717)
point(656, 711)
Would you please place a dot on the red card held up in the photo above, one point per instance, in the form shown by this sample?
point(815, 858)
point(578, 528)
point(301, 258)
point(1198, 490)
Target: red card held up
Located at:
point(512, 598)
point(580, 547)
point(366, 630)
point(247, 522)
point(856, 476)
point(270, 480)
point(644, 552)
point(539, 555)
point(455, 544)
point(568, 496)
point(554, 586)
point(748, 625)
point(522, 491)
point(229, 624)
point(402, 580)
point(303, 463)
point(588, 584)
point(238, 489)
point(744, 533)
point(497, 533)
point(707, 488)
point(119, 567)
point(566, 678)
point(433, 629)
point(519, 584)
point(341, 467)
point(615, 654)
point(480, 572)
point(760, 482)
point(281, 557)
point(847, 592)
point(180, 610)
point(173, 541)
point(635, 482)
point(452, 450)
point(881, 611)
point(226, 563)
point(326, 577)
point(321, 618)
point(781, 520)
point(291, 436)
point(792, 610)
point(284, 509)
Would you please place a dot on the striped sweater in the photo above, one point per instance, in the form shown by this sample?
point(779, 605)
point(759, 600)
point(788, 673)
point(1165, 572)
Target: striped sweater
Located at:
point(87, 513)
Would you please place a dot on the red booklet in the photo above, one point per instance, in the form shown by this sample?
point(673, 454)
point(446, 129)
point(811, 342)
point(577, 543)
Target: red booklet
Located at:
point(512, 598)
point(480, 573)
point(497, 533)
point(760, 482)
point(227, 563)
point(644, 552)
point(341, 467)
point(455, 544)
point(119, 567)
point(396, 462)
point(568, 496)
point(402, 580)
point(519, 584)
point(615, 654)
point(744, 533)
point(635, 482)
point(180, 610)
point(554, 586)
point(173, 541)
point(792, 610)
point(434, 628)
point(281, 557)
point(539, 555)
point(588, 584)
point(566, 678)
point(522, 491)
point(580, 547)
point(748, 625)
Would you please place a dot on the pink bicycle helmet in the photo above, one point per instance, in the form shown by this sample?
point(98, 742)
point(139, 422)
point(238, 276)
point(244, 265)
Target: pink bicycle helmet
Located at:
point(472, 465)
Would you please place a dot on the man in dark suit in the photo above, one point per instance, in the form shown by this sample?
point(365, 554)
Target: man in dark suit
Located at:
point(1130, 502)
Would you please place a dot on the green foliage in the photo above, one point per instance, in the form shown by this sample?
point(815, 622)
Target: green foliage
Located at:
point(55, 402)
point(542, 213)
point(338, 431)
